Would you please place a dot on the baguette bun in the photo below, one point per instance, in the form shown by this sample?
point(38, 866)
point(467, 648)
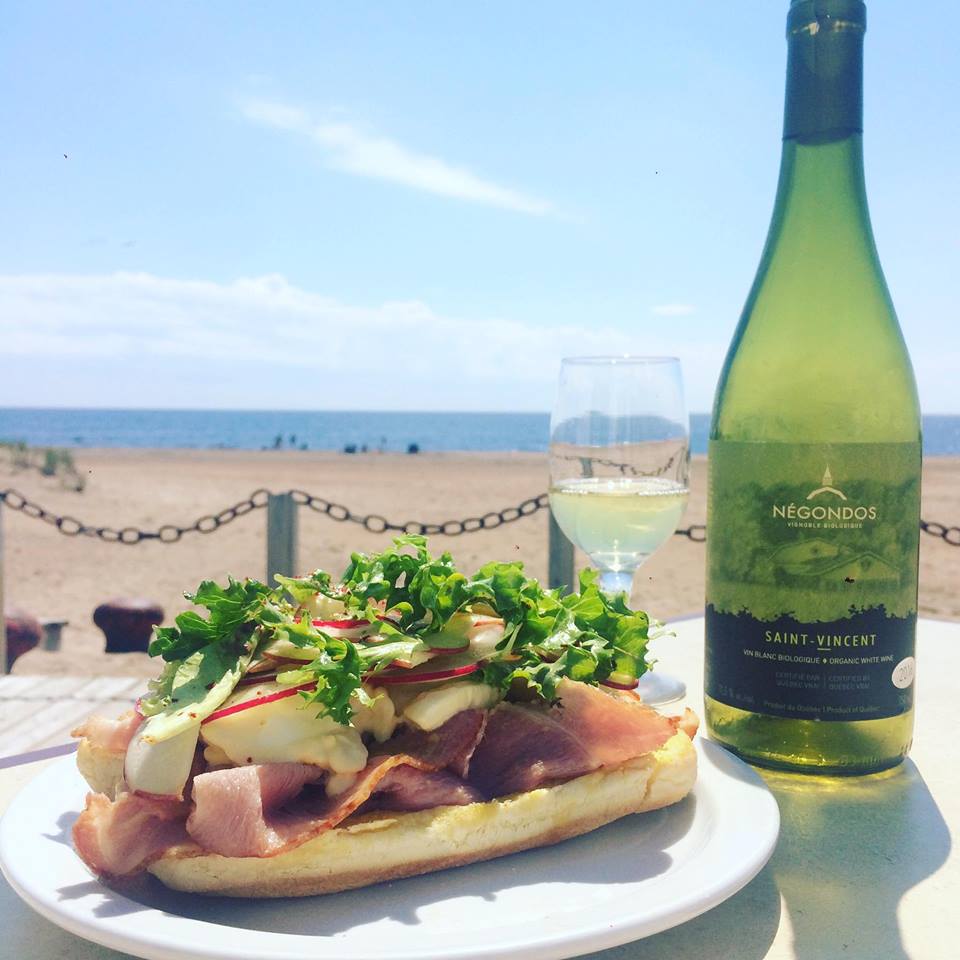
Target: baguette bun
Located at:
point(101, 768)
point(377, 846)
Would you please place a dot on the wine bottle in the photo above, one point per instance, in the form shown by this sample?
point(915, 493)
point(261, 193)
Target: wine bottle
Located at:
point(814, 489)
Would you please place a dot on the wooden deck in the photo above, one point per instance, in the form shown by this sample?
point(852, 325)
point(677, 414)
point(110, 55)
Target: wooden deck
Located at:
point(37, 712)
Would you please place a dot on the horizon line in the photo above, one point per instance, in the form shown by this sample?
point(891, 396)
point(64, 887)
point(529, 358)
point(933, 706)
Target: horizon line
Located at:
point(107, 409)
point(138, 409)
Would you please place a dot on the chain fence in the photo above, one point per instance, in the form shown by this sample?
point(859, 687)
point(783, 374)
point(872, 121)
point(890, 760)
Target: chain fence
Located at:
point(208, 523)
point(587, 464)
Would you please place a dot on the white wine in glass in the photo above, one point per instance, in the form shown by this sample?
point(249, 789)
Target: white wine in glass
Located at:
point(619, 468)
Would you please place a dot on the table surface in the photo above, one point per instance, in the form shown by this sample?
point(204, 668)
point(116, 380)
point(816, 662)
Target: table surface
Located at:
point(863, 869)
point(41, 711)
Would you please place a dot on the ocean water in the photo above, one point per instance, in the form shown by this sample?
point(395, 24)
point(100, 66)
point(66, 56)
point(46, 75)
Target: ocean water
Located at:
point(326, 430)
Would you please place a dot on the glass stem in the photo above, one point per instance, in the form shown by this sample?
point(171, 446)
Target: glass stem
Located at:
point(616, 581)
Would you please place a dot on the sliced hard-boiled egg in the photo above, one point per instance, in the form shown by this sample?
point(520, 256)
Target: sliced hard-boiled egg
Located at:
point(270, 727)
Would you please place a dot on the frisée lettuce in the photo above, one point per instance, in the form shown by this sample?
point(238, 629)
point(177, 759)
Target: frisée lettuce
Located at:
point(406, 599)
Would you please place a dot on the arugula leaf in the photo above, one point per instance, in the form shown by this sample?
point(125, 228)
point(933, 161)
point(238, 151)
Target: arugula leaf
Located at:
point(228, 607)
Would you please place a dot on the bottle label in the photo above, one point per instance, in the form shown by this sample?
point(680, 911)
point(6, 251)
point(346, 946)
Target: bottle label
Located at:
point(812, 578)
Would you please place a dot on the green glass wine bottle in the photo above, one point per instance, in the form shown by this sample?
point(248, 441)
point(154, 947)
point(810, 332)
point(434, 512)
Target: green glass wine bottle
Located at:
point(814, 490)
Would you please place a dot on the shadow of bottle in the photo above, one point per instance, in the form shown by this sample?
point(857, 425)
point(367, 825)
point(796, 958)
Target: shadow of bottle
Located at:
point(849, 850)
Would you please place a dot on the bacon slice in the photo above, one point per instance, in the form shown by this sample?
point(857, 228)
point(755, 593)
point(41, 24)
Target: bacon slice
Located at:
point(688, 723)
point(407, 788)
point(111, 735)
point(116, 838)
point(526, 745)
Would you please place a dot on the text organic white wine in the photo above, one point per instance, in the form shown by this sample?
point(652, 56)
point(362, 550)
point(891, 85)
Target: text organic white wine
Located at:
point(814, 490)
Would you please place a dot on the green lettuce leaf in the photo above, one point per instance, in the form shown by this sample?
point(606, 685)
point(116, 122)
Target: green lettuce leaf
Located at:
point(228, 608)
point(189, 690)
point(548, 635)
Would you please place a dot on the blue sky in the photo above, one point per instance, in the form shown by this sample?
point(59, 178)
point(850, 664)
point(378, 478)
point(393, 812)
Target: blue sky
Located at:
point(424, 205)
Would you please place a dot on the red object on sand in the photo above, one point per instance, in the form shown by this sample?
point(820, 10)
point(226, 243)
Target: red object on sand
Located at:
point(23, 633)
point(127, 623)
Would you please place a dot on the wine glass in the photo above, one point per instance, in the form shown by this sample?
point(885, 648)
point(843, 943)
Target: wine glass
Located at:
point(619, 469)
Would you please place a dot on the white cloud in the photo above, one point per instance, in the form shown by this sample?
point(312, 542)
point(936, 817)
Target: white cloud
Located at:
point(347, 148)
point(673, 310)
point(129, 339)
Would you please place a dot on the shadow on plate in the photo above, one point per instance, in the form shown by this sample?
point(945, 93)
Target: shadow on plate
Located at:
point(630, 850)
point(65, 824)
point(741, 928)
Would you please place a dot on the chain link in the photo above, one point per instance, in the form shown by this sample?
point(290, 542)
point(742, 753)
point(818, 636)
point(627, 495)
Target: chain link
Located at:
point(949, 535)
point(626, 469)
point(374, 522)
point(168, 533)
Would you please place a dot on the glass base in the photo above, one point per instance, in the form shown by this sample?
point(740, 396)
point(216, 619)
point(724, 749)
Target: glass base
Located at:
point(659, 688)
point(613, 582)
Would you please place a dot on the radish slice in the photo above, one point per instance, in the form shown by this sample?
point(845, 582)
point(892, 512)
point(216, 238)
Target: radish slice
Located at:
point(445, 650)
point(259, 678)
point(341, 624)
point(408, 676)
point(258, 701)
point(438, 668)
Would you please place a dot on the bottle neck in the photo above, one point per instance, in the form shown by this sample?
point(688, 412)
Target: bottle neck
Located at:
point(824, 100)
point(821, 199)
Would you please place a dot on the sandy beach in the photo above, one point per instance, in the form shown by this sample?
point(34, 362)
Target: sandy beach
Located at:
point(53, 576)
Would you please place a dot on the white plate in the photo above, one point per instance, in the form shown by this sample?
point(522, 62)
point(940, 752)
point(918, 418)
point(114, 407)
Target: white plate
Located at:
point(628, 880)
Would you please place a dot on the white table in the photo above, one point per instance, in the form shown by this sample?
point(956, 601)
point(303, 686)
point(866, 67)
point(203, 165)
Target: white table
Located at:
point(863, 869)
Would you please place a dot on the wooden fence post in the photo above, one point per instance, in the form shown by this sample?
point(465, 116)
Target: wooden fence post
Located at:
point(3, 616)
point(560, 568)
point(281, 536)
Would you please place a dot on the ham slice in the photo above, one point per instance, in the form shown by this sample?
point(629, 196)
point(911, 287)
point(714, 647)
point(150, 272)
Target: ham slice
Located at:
point(407, 788)
point(116, 838)
point(259, 811)
point(234, 815)
point(449, 746)
point(232, 806)
point(111, 735)
point(264, 809)
point(526, 745)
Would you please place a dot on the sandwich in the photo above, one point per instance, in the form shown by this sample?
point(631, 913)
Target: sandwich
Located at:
point(318, 736)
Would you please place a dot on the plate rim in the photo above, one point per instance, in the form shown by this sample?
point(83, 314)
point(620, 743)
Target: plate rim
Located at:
point(112, 932)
